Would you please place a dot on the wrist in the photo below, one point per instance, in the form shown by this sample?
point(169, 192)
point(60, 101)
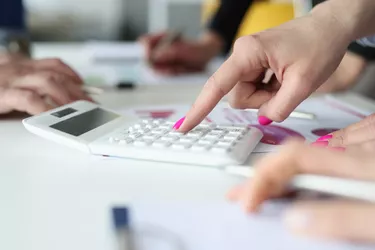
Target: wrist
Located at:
point(212, 42)
point(330, 22)
point(352, 19)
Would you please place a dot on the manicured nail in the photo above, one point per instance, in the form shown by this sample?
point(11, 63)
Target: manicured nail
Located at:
point(320, 143)
point(264, 120)
point(340, 149)
point(325, 137)
point(178, 124)
point(297, 219)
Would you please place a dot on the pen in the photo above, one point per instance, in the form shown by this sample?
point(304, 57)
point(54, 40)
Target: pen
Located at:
point(124, 233)
point(92, 90)
point(296, 114)
point(358, 190)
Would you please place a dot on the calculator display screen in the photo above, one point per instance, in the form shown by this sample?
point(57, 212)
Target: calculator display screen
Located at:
point(85, 122)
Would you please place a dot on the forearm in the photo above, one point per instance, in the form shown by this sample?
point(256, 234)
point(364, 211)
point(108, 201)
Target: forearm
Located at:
point(228, 19)
point(355, 19)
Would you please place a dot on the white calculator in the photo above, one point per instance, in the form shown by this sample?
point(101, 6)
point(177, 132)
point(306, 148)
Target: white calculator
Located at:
point(99, 131)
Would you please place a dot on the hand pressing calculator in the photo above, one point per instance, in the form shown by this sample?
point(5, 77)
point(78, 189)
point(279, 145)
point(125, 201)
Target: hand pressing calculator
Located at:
point(99, 131)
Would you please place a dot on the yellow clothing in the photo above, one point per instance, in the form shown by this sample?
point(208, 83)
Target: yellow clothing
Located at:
point(262, 15)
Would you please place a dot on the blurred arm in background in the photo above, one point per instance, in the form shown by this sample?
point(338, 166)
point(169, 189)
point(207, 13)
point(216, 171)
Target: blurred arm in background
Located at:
point(351, 68)
point(185, 56)
point(27, 85)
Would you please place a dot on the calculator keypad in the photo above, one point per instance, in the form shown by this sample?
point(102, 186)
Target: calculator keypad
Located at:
point(160, 134)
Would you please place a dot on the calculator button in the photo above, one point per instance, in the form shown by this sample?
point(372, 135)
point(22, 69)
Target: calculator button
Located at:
point(144, 130)
point(175, 133)
point(147, 121)
point(125, 141)
point(164, 126)
point(148, 137)
point(235, 134)
point(220, 149)
point(225, 143)
point(199, 147)
point(187, 140)
point(135, 135)
point(161, 144)
point(206, 142)
point(181, 145)
point(158, 131)
point(211, 137)
point(158, 121)
point(151, 126)
point(195, 134)
point(138, 126)
point(142, 143)
point(230, 137)
point(132, 130)
point(169, 138)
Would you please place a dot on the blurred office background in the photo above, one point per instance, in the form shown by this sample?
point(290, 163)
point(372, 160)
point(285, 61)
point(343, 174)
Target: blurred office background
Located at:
point(110, 19)
point(81, 20)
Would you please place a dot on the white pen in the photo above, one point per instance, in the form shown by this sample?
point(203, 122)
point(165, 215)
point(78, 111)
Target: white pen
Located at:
point(92, 90)
point(358, 190)
point(295, 114)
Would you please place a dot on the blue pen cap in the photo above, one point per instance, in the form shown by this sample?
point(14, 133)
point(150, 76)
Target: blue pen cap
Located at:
point(121, 217)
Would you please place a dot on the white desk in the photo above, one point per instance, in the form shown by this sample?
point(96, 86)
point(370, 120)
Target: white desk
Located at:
point(53, 197)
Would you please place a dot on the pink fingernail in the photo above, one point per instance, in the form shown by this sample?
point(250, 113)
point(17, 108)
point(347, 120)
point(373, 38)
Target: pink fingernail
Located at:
point(320, 144)
point(325, 137)
point(264, 120)
point(178, 124)
point(341, 149)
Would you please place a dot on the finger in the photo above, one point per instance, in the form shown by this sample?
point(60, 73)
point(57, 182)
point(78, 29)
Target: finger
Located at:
point(22, 100)
point(213, 91)
point(333, 220)
point(77, 93)
point(250, 95)
point(218, 85)
point(46, 83)
point(273, 173)
point(287, 98)
point(235, 193)
point(56, 65)
point(354, 134)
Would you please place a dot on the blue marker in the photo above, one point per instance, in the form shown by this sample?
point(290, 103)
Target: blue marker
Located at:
point(121, 220)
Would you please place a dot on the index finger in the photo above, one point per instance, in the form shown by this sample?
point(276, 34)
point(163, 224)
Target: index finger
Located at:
point(217, 86)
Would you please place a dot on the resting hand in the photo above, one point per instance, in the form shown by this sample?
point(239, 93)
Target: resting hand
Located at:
point(34, 86)
point(338, 220)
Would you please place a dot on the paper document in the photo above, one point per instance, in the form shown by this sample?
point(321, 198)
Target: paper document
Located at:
point(330, 116)
point(219, 226)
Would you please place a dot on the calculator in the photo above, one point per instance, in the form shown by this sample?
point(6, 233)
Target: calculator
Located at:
point(96, 130)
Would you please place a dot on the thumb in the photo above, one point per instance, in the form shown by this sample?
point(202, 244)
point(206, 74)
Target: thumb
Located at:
point(333, 220)
point(291, 93)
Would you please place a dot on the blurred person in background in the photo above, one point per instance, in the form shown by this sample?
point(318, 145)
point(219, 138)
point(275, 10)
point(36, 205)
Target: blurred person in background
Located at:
point(186, 56)
point(28, 85)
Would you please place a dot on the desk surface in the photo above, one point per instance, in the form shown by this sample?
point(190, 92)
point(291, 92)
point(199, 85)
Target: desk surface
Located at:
point(53, 197)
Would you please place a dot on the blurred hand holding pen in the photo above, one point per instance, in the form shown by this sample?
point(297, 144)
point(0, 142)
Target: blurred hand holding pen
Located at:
point(163, 44)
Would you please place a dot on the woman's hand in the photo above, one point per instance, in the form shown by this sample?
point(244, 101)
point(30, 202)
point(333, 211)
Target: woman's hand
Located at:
point(34, 86)
point(339, 220)
point(359, 136)
point(295, 53)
